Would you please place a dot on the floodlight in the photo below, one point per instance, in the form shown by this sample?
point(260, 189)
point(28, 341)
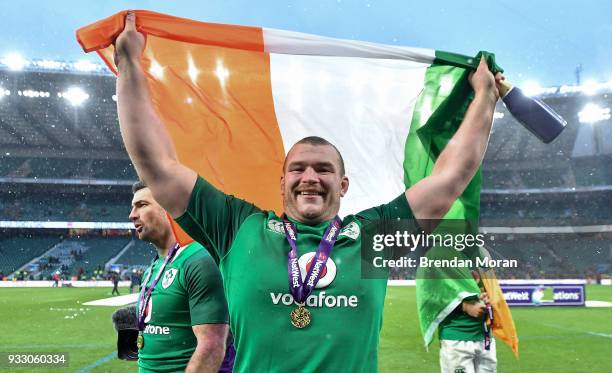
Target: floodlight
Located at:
point(75, 95)
point(593, 113)
point(85, 66)
point(531, 88)
point(14, 61)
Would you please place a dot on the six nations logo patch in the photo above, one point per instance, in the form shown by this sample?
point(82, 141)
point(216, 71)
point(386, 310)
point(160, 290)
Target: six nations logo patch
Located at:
point(169, 277)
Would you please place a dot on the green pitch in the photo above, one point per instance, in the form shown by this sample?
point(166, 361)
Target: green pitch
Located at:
point(551, 339)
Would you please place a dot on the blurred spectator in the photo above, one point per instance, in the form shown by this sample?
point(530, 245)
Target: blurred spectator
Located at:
point(79, 273)
point(56, 279)
point(115, 280)
point(135, 280)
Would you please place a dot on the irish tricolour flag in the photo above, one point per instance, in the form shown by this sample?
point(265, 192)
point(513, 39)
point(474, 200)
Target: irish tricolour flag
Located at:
point(235, 99)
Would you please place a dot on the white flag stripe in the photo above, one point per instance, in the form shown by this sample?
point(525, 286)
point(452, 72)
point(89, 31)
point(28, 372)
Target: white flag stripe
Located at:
point(297, 43)
point(363, 106)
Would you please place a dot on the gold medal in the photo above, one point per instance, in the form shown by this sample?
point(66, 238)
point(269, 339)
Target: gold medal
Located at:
point(140, 341)
point(300, 317)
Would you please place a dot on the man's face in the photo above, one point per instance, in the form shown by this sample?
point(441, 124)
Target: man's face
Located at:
point(312, 184)
point(148, 216)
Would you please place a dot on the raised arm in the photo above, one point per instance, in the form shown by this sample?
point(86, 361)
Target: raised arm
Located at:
point(432, 197)
point(145, 138)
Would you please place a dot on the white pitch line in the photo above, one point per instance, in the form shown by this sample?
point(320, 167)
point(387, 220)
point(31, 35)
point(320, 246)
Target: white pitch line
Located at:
point(121, 300)
point(561, 327)
point(600, 334)
point(598, 304)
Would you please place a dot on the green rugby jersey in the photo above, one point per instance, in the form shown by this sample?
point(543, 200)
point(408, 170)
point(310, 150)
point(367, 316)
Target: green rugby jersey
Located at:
point(459, 326)
point(189, 292)
point(346, 310)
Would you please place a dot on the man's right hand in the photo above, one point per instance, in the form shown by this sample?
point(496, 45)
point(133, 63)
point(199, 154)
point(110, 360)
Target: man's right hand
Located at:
point(130, 43)
point(475, 309)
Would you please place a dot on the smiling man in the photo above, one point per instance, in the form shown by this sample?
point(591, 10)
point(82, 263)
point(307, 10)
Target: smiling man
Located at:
point(296, 298)
point(309, 185)
point(182, 309)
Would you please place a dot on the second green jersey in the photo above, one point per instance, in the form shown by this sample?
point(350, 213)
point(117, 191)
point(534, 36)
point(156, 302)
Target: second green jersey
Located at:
point(459, 326)
point(189, 292)
point(346, 310)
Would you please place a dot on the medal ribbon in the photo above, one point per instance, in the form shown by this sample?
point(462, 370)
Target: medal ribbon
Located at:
point(145, 293)
point(488, 327)
point(300, 290)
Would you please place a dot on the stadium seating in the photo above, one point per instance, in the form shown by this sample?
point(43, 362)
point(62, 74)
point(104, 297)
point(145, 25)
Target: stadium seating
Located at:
point(113, 169)
point(97, 251)
point(544, 255)
point(17, 251)
point(568, 182)
point(52, 168)
point(10, 164)
point(93, 251)
point(140, 254)
point(20, 127)
point(65, 207)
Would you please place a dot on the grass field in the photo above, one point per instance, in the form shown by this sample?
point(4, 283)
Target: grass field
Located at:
point(551, 339)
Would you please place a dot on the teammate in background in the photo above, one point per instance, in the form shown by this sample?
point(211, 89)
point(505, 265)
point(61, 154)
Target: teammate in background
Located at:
point(277, 326)
point(462, 339)
point(184, 317)
point(115, 280)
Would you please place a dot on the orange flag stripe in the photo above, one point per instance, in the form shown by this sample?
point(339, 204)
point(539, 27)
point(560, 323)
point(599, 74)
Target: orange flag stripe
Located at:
point(503, 324)
point(201, 104)
point(101, 34)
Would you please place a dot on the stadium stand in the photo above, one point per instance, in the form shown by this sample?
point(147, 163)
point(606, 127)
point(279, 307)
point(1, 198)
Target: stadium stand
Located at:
point(15, 251)
point(140, 254)
point(554, 255)
point(79, 254)
point(555, 208)
point(96, 251)
point(53, 168)
point(65, 207)
point(8, 165)
point(113, 169)
point(541, 256)
point(63, 162)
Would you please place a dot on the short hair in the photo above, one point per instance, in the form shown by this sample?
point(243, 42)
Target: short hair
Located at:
point(138, 185)
point(319, 141)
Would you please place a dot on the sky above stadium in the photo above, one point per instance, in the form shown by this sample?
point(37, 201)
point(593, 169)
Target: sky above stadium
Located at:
point(535, 41)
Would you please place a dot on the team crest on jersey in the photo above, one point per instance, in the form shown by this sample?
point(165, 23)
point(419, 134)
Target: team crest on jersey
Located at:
point(327, 276)
point(351, 231)
point(169, 277)
point(276, 226)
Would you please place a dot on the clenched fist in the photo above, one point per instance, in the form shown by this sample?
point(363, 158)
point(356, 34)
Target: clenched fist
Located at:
point(130, 43)
point(483, 81)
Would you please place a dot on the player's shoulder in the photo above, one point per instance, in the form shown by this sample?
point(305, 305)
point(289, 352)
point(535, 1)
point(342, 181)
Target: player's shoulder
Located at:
point(259, 221)
point(398, 208)
point(196, 257)
point(195, 252)
point(199, 267)
point(259, 216)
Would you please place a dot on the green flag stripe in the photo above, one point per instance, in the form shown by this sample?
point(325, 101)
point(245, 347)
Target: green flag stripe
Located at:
point(466, 62)
point(438, 114)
